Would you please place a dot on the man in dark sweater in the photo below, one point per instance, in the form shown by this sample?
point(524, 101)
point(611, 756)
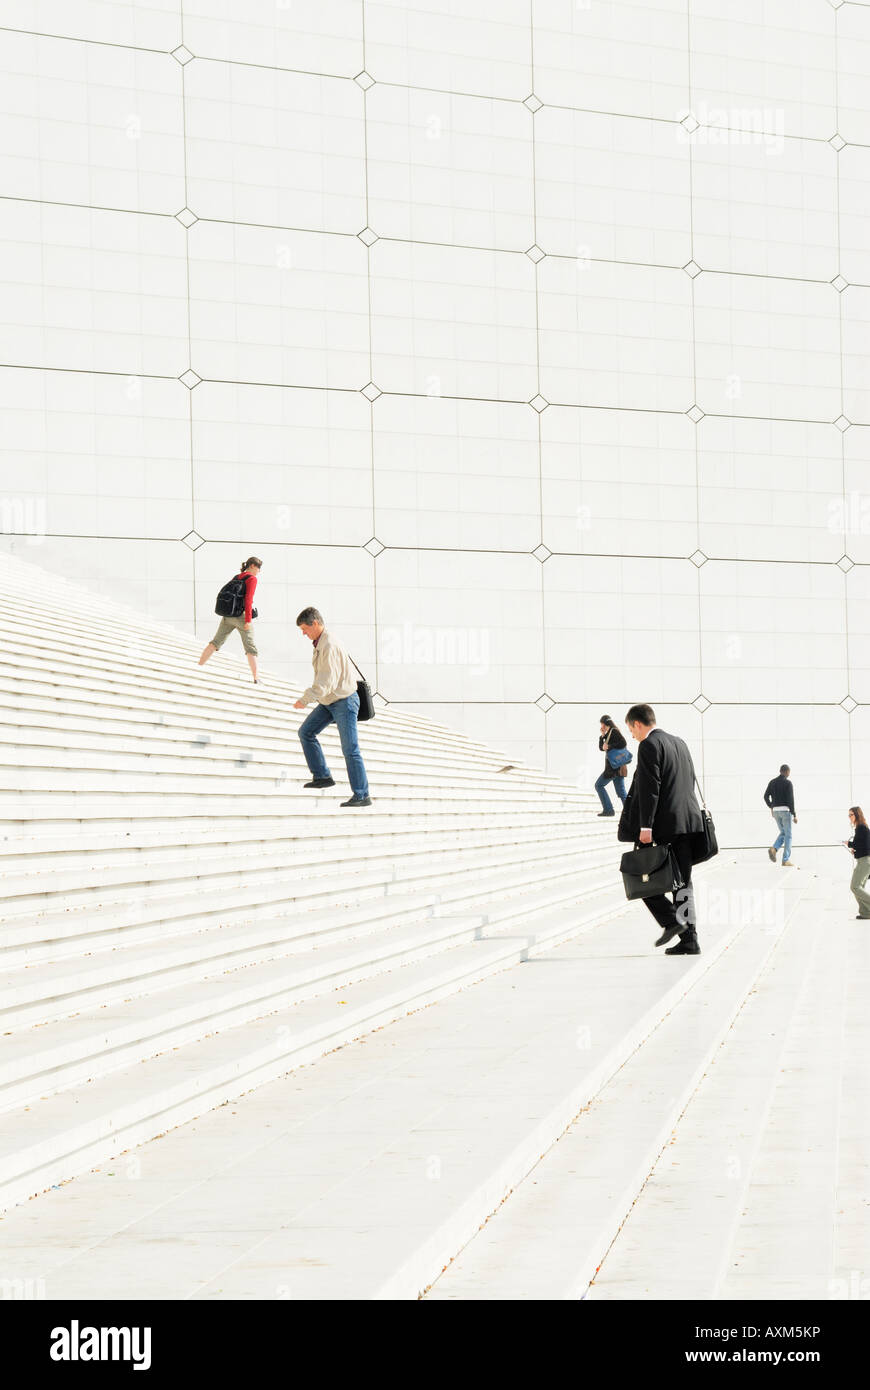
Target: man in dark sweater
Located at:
point(779, 796)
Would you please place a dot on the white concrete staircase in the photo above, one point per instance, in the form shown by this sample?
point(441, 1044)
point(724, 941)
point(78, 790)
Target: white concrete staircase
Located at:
point(182, 921)
point(558, 1235)
point(597, 1121)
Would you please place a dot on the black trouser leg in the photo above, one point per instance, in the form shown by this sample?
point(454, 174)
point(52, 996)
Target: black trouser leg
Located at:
point(677, 908)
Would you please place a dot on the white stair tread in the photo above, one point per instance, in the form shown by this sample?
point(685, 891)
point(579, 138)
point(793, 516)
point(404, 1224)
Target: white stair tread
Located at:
point(463, 881)
point(289, 861)
point(549, 1238)
point(199, 701)
point(382, 1156)
point(51, 977)
point(211, 994)
point(76, 849)
point(38, 822)
point(178, 1084)
point(787, 1097)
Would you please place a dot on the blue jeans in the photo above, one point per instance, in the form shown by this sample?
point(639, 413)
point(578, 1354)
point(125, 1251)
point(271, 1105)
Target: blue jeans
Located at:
point(783, 820)
point(343, 713)
point(611, 776)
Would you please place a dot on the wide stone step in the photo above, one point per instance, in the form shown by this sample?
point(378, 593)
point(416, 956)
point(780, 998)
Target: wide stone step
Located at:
point(68, 1132)
point(43, 712)
point(551, 1235)
point(786, 1102)
point(173, 659)
point(25, 848)
point(72, 871)
point(177, 1006)
point(38, 816)
point(103, 747)
point(201, 704)
point(47, 935)
point(199, 775)
point(53, 988)
point(260, 872)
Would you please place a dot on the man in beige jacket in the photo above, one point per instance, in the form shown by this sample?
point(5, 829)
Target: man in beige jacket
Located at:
point(334, 689)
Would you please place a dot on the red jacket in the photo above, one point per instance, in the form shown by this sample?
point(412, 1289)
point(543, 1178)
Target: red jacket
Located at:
point(250, 586)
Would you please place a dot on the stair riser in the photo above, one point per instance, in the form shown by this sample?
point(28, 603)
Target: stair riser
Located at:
point(63, 1156)
point(110, 982)
point(252, 867)
point(378, 914)
point(242, 1005)
point(365, 914)
point(35, 855)
point(102, 770)
point(140, 753)
point(23, 835)
point(73, 694)
point(236, 903)
point(594, 1246)
point(415, 1276)
point(104, 931)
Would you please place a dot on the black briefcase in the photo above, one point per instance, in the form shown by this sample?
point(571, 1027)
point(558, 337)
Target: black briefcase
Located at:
point(649, 870)
point(366, 700)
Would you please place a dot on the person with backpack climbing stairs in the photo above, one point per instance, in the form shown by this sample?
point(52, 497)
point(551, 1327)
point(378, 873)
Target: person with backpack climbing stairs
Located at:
point(235, 608)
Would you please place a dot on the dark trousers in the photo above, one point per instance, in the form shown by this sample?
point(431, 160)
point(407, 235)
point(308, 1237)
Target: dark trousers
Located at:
point(679, 907)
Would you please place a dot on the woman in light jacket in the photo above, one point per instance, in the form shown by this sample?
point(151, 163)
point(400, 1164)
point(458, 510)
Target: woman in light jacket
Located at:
point(610, 737)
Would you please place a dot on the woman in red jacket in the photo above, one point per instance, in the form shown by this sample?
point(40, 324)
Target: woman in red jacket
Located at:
point(249, 571)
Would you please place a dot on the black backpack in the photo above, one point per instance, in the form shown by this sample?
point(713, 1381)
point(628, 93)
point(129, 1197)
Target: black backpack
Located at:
point(230, 602)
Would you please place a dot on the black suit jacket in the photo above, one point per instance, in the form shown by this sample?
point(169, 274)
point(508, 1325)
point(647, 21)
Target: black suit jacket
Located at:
point(662, 794)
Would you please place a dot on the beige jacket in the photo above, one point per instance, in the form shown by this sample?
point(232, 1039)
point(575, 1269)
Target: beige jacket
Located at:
point(334, 675)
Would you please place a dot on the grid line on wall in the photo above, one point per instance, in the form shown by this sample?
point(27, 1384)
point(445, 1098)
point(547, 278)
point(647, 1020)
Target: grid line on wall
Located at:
point(388, 392)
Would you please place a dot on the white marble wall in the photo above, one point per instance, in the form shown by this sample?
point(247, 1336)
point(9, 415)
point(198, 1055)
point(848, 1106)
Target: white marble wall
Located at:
point(528, 341)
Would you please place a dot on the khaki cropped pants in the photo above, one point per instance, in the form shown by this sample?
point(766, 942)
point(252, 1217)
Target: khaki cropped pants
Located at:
point(228, 625)
point(860, 875)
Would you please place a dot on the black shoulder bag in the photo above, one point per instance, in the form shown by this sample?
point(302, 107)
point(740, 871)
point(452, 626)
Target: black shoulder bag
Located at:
point(364, 691)
point(704, 844)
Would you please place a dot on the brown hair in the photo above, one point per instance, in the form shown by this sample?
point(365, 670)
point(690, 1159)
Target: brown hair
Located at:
point(858, 814)
point(252, 561)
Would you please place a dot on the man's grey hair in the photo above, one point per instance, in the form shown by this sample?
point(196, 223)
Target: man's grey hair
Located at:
point(308, 616)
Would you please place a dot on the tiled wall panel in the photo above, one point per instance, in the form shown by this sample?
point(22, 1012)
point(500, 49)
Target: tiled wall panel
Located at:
point(528, 341)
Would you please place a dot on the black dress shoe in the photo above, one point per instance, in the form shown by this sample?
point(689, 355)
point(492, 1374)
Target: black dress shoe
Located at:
point(684, 948)
point(606, 813)
point(669, 933)
point(358, 801)
point(321, 782)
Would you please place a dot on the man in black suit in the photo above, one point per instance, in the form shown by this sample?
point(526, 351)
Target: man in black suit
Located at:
point(661, 807)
